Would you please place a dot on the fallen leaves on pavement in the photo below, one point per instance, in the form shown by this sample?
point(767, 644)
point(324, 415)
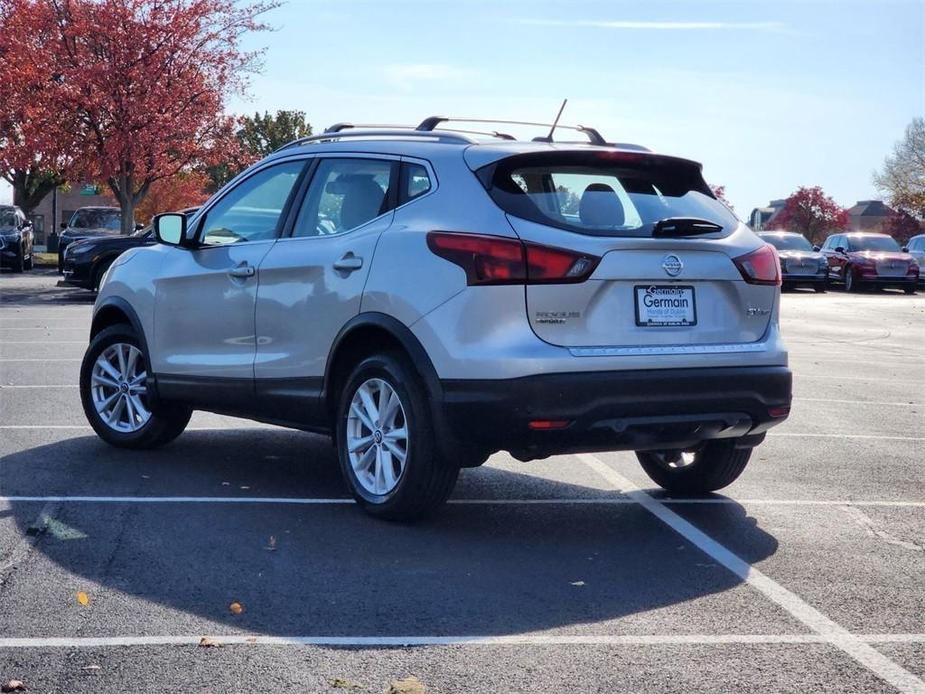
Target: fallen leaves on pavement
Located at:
point(408, 685)
point(236, 608)
point(83, 598)
point(13, 686)
point(342, 683)
point(206, 642)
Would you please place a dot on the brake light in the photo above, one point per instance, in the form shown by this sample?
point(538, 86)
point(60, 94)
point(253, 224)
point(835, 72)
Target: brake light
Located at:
point(761, 266)
point(498, 260)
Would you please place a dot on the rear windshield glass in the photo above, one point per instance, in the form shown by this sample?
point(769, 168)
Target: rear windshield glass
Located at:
point(602, 193)
point(872, 243)
point(787, 242)
point(96, 219)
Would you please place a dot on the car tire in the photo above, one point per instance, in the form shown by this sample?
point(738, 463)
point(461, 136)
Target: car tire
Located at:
point(98, 273)
point(19, 262)
point(716, 464)
point(384, 484)
point(910, 290)
point(851, 284)
point(163, 422)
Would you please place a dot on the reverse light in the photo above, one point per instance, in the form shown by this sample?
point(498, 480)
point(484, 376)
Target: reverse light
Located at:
point(499, 260)
point(761, 266)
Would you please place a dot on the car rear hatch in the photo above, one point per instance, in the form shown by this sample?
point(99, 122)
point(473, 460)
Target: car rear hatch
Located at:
point(701, 278)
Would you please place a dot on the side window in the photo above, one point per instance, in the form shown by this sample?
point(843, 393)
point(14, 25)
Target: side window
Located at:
point(252, 210)
point(416, 182)
point(343, 195)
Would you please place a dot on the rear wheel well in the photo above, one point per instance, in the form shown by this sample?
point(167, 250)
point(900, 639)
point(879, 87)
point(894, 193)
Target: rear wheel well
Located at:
point(360, 343)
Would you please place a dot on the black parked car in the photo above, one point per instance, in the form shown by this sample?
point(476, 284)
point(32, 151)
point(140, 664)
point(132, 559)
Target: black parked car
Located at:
point(89, 222)
point(801, 263)
point(16, 238)
point(85, 262)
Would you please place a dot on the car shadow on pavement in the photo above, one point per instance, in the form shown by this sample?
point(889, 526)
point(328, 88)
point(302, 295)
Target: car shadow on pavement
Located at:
point(23, 290)
point(329, 569)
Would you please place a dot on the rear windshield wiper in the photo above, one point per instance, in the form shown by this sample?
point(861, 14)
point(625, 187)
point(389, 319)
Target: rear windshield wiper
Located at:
point(685, 226)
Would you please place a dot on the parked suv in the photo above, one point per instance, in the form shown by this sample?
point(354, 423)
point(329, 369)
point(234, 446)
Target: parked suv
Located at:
point(427, 298)
point(89, 223)
point(16, 239)
point(801, 264)
point(864, 259)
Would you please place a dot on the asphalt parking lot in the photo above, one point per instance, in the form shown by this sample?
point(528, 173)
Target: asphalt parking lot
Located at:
point(808, 574)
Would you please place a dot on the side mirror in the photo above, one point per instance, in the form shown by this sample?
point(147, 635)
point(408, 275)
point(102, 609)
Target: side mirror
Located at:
point(64, 225)
point(817, 248)
point(170, 228)
point(905, 249)
point(839, 249)
point(139, 227)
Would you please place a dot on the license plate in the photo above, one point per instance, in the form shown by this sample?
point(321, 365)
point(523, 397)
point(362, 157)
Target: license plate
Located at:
point(665, 305)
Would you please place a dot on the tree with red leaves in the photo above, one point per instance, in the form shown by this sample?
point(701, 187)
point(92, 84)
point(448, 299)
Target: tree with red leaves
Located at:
point(812, 213)
point(902, 226)
point(186, 189)
point(132, 90)
point(719, 192)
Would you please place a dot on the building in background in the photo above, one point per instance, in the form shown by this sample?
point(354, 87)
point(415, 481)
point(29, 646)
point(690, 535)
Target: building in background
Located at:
point(762, 217)
point(868, 215)
point(59, 205)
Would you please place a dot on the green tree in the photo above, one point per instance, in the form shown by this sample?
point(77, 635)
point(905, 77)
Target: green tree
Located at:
point(258, 136)
point(902, 179)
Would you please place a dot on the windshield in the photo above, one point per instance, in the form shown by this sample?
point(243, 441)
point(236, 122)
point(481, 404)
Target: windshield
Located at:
point(7, 218)
point(602, 193)
point(96, 219)
point(787, 242)
point(872, 243)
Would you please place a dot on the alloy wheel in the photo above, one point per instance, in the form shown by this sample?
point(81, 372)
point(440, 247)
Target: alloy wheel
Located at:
point(119, 388)
point(377, 436)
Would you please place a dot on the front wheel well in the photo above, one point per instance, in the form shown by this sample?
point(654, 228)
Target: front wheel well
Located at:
point(107, 317)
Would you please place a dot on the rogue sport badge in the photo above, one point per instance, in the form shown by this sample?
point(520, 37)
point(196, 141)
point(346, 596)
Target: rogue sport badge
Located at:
point(672, 265)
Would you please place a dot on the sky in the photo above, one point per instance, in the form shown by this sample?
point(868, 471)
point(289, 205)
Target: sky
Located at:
point(768, 96)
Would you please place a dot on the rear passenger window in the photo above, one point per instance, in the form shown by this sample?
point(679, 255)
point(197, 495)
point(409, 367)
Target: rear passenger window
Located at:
point(344, 194)
point(417, 182)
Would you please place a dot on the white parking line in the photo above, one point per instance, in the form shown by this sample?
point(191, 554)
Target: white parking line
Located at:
point(38, 386)
point(322, 501)
point(834, 633)
point(848, 378)
point(878, 437)
point(43, 342)
point(861, 402)
point(41, 360)
point(395, 641)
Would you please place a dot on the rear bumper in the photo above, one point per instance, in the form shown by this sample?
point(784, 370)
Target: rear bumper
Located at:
point(635, 410)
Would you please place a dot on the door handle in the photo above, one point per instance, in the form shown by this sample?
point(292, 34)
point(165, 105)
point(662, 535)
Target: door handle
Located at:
point(348, 263)
point(242, 270)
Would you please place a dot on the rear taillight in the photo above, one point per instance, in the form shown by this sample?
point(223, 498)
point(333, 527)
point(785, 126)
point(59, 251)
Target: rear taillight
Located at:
point(499, 260)
point(760, 267)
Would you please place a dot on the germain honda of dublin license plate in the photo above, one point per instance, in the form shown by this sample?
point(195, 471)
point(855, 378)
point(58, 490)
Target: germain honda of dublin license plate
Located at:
point(665, 305)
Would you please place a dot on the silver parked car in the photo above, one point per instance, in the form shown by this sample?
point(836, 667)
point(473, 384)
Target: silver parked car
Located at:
point(427, 297)
point(916, 248)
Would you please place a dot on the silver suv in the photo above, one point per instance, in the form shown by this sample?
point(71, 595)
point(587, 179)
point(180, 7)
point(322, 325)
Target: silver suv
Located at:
point(426, 297)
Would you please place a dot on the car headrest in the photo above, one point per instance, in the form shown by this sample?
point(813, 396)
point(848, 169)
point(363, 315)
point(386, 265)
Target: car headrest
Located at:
point(363, 199)
point(600, 206)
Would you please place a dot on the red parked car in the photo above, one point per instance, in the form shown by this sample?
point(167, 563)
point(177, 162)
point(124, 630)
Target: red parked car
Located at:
point(860, 259)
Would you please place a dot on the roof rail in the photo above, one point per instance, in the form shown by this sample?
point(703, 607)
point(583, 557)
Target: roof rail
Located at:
point(337, 132)
point(594, 137)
